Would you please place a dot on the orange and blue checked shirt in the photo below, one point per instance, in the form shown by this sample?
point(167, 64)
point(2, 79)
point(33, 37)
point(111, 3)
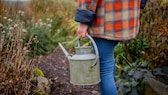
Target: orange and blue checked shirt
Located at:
point(114, 19)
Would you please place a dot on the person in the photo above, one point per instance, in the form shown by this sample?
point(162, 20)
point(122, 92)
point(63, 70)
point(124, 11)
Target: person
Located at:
point(108, 22)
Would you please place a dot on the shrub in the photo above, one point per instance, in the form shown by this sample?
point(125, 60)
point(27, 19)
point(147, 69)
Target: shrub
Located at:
point(15, 67)
point(131, 51)
point(42, 40)
point(46, 33)
point(147, 55)
point(154, 26)
point(151, 42)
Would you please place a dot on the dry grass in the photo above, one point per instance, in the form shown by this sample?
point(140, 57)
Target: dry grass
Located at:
point(15, 67)
point(65, 8)
point(36, 9)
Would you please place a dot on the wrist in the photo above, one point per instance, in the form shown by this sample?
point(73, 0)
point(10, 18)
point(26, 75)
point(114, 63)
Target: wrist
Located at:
point(82, 25)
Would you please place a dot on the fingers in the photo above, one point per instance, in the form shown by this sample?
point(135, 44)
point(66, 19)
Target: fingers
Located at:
point(82, 34)
point(82, 30)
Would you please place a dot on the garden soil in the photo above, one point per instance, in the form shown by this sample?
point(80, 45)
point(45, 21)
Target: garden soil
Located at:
point(56, 68)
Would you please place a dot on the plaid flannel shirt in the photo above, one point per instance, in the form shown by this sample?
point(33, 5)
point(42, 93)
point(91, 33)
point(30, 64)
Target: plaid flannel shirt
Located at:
point(114, 19)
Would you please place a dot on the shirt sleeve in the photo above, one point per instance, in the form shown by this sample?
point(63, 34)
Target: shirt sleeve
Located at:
point(143, 3)
point(86, 11)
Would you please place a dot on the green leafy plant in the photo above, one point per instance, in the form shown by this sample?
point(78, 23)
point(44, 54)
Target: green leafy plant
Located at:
point(37, 72)
point(42, 41)
point(45, 33)
point(37, 92)
point(129, 81)
point(131, 51)
point(161, 74)
point(136, 48)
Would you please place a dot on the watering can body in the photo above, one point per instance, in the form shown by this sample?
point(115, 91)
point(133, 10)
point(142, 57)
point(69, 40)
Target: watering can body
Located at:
point(84, 65)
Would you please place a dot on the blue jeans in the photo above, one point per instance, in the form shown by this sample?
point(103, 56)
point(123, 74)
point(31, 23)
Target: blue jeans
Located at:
point(107, 66)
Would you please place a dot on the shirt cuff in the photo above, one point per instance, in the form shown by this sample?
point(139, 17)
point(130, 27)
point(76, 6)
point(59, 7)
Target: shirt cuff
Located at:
point(85, 16)
point(143, 3)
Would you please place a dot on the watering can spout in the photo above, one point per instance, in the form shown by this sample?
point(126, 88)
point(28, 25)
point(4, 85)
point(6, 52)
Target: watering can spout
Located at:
point(64, 50)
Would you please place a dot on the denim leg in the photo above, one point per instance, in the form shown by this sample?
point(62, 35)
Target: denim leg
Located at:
point(107, 66)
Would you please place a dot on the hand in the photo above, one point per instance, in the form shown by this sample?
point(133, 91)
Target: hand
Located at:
point(82, 30)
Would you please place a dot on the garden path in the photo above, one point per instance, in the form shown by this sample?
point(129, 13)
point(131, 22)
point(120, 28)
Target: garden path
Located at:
point(55, 67)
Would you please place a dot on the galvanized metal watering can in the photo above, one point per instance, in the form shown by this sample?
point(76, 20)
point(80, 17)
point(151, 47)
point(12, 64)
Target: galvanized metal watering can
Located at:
point(84, 65)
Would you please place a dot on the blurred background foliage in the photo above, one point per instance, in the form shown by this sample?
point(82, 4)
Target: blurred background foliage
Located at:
point(142, 57)
point(28, 30)
point(151, 43)
point(47, 22)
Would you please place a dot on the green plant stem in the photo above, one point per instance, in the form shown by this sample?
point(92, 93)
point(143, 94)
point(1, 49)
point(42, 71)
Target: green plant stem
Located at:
point(119, 67)
point(126, 60)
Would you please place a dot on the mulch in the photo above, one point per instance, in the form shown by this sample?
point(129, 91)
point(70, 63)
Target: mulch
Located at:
point(56, 68)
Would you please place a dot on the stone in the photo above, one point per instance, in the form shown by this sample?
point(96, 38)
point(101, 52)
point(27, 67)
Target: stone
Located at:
point(43, 85)
point(154, 87)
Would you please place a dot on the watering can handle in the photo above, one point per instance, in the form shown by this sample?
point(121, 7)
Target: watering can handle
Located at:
point(95, 48)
